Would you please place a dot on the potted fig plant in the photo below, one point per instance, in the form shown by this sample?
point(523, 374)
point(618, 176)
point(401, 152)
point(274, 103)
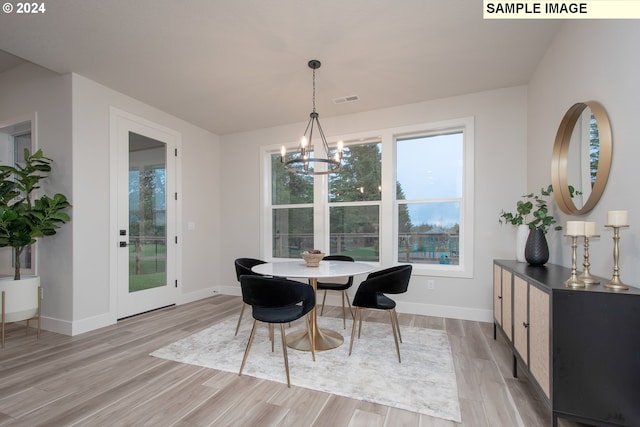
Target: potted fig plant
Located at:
point(533, 212)
point(24, 217)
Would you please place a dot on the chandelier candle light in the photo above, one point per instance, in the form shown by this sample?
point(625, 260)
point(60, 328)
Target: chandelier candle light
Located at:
point(616, 220)
point(574, 229)
point(586, 277)
point(300, 164)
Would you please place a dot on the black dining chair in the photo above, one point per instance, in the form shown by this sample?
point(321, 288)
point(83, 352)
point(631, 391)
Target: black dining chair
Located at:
point(341, 284)
point(275, 300)
point(243, 268)
point(371, 294)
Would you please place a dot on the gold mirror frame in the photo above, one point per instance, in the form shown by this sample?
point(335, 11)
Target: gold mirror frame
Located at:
point(559, 161)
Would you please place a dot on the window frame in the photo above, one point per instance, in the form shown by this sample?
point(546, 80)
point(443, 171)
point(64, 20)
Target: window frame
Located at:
point(464, 269)
point(388, 205)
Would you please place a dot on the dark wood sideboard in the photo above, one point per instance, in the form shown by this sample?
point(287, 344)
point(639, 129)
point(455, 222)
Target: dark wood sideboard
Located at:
point(580, 347)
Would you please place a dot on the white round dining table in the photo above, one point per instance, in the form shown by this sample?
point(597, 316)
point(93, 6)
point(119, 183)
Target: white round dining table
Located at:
point(323, 339)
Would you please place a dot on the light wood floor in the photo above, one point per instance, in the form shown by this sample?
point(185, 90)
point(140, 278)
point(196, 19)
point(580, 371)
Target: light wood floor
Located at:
point(106, 377)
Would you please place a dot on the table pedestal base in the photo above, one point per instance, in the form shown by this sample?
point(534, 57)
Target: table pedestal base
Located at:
point(325, 339)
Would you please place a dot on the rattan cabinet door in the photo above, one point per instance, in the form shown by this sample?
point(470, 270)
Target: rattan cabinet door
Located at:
point(507, 312)
point(497, 294)
point(539, 351)
point(521, 318)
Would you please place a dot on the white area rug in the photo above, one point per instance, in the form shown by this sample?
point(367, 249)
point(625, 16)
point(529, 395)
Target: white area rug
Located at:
point(425, 381)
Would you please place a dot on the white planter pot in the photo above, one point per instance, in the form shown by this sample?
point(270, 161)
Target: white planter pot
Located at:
point(20, 298)
point(522, 234)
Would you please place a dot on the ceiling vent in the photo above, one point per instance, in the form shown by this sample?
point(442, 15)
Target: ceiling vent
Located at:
point(344, 99)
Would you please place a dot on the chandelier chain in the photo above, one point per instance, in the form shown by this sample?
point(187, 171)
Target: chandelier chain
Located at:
point(314, 90)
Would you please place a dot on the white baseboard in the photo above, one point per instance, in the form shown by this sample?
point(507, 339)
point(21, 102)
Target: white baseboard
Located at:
point(77, 327)
point(197, 295)
point(451, 312)
point(230, 290)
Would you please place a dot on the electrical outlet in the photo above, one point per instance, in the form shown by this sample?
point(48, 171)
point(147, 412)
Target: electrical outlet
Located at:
point(431, 285)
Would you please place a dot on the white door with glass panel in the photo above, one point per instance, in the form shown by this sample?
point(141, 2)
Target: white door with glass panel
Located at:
point(147, 240)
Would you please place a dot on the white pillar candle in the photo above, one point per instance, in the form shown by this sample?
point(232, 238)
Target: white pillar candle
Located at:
point(618, 218)
point(590, 228)
point(575, 228)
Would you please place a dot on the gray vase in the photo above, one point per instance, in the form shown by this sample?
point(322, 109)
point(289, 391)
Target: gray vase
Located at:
point(536, 251)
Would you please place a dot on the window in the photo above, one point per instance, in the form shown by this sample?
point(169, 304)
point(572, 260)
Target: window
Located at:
point(14, 139)
point(404, 195)
point(354, 203)
point(292, 211)
point(429, 170)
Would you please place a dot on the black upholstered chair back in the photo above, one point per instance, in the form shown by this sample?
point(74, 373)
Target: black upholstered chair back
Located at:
point(393, 280)
point(272, 296)
point(244, 266)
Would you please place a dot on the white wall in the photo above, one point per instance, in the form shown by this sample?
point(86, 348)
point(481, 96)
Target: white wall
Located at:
point(592, 60)
point(29, 89)
point(198, 190)
point(500, 149)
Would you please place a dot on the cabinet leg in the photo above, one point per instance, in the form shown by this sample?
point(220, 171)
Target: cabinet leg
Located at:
point(554, 420)
point(495, 330)
point(515, 367)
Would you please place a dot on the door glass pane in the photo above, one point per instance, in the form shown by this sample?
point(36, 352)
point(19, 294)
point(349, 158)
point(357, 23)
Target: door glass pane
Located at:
point(147, 212)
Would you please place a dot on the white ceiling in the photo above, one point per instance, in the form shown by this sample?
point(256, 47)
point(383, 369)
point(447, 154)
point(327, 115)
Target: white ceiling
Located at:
point(238, 65)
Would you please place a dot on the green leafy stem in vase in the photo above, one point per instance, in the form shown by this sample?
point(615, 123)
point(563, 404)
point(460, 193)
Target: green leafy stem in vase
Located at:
point(533, 211)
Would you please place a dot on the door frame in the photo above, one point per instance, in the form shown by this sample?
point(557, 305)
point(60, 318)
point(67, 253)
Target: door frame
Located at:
point(115, 115)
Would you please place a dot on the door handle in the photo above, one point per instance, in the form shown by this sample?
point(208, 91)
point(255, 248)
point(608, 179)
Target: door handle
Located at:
point(123, 244)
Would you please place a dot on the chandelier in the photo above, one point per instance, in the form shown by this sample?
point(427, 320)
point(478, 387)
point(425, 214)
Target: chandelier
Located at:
point(300, 163)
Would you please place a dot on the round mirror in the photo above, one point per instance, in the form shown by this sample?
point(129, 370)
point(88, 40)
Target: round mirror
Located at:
point(581, 158)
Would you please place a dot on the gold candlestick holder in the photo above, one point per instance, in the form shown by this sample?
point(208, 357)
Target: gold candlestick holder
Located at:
point(586, 276)
point(573, 281)
point(615, 283)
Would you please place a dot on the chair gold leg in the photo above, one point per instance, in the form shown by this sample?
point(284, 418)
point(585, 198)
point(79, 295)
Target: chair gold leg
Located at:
point(395, 313)
point(344, 314)
point(271, 337)
point(284, 352)
point(353, 328)
point(239, 319)
point(346, 295)
point(360, 322)
point(395, 333)
point(246, 351)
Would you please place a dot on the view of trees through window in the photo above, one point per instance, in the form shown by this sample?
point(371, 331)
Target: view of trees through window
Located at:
point(354, 203)
point(428, 202)
point(354, 206)
point(147, 227)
